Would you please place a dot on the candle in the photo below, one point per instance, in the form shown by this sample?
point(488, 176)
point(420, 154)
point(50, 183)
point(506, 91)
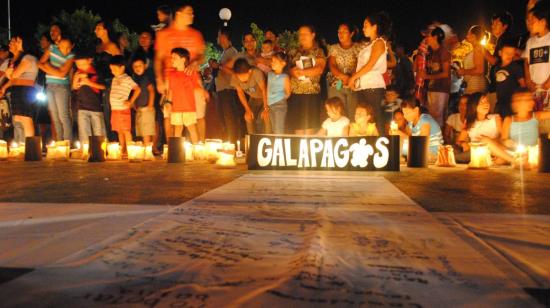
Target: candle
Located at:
point(226, 160)
point(16, 150)
point(165, 152)
point(136, 151)
point(188, 151)
point(238, 145)
point(3, 150)
point(199, 151)
point(85, 151)
point(51, 150)
point(480, 156)
point(393, 127)
point(212, 146)
point(533, 152)
point(63, 150)
point(149, 152)
point(113, 151)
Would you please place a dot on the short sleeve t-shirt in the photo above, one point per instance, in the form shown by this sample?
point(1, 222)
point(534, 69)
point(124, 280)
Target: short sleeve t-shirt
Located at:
point(275, 87)
point(183, 88)
point(252, 86)
point(89, 98)
point(170, 38)
point(120, 91)
point(336, 128)
point(346, 60)
point(455, 122)
point(57, 59)
point(435, 65)
point(436, 138)
point(32, 72)
point(143, 82)
point(223, 80)
point(506, 81)
point(537, 53)
point(310, 85)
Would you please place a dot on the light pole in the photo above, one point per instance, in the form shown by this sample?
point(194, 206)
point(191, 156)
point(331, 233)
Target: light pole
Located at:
point(225, 15)
point(9, 20)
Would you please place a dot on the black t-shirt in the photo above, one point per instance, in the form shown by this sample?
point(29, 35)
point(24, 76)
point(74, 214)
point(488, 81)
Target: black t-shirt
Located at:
point(143, 81)
point(507, 81)
point(88, 98)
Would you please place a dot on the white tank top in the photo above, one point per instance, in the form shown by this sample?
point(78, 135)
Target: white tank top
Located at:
point(374, 79)
point(486, 128)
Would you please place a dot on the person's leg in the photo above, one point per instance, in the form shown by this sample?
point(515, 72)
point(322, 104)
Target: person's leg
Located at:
point(27, 124)
point(84, 125)
point(436, 106)
point(499, 151)
point(54, 112)
point(97, 123)
point(277, 115)
point(193, 133)
point(229, 114)
point(374, 97)
point(201, 129)
point(351, 99)
point(178, 130)
point(62, 100)
point(124, 137)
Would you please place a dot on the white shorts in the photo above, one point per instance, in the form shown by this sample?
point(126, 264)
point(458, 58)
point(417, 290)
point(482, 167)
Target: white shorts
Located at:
point(183, 118)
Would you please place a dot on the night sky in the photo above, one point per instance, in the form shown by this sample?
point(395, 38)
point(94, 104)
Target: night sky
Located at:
point(408, 16)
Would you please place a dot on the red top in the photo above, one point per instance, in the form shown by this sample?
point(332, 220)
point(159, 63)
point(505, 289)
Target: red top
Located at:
point(170, 38)
point(183, 88)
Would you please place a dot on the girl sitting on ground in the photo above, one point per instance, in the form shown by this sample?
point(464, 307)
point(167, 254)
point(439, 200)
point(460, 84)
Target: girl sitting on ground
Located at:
point(365, 123)
point(337, 125)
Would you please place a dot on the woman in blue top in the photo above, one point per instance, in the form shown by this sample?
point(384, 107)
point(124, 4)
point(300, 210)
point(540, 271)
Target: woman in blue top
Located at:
point(420, 123)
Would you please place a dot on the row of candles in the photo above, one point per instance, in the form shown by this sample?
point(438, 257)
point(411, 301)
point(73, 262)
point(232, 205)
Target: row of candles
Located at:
point(213, 150)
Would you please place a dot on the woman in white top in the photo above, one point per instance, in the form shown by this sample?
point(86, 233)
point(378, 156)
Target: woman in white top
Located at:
point(474, 63)
point(22, 73)
point(368, 79)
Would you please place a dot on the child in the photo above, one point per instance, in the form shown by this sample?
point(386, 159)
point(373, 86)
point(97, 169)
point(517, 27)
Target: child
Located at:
point(88, 98)
point(181, 92)
point(145, 103)
point(420, 123)
point(122, 85)
point(391, 103)
point(251, 81)
point(278, 91)
point(264, 60)
point(336, 125)
point(365, 124)
point(456, 121)
point(522, 128)
point(508, 77)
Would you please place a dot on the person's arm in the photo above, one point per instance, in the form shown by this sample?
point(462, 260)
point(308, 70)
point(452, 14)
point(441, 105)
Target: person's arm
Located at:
point(346, 131)
point(288, 90)
point(425, 130)
point(248, 115)
point(542, 115)
point(448, 133)
point(492, 59)
point(61, 71)
point(505, 136)
point(333, 67)
point(378, 50)
point(315, 71)
point(151, 90)
point(392, 60)
point(45, 57)
point(19, 70)
point(462, 140)
point(136, 91)
point(528, 82)
point(445, 73)
point(263, 88)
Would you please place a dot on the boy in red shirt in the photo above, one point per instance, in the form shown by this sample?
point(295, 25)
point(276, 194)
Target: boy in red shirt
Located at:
point(181, 92)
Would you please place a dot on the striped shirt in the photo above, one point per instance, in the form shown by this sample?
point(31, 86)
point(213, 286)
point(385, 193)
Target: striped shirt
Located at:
point(57, 59)
point(120, 91)
point(436, 138)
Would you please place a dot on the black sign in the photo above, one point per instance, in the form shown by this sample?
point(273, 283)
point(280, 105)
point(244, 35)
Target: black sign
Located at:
point(281, 152)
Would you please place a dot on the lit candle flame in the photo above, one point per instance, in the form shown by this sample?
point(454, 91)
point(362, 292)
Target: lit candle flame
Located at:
point(520, 149)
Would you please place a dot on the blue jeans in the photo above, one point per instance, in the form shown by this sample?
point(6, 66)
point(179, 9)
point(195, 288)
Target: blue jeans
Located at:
point(90, 123)
point(277, 116)
point(60, 111)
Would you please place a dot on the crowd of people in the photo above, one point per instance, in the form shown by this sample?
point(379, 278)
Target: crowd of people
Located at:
point(363, 85)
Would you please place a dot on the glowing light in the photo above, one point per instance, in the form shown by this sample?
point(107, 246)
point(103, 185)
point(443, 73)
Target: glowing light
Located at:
point(41, 97)
point(3, 150)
